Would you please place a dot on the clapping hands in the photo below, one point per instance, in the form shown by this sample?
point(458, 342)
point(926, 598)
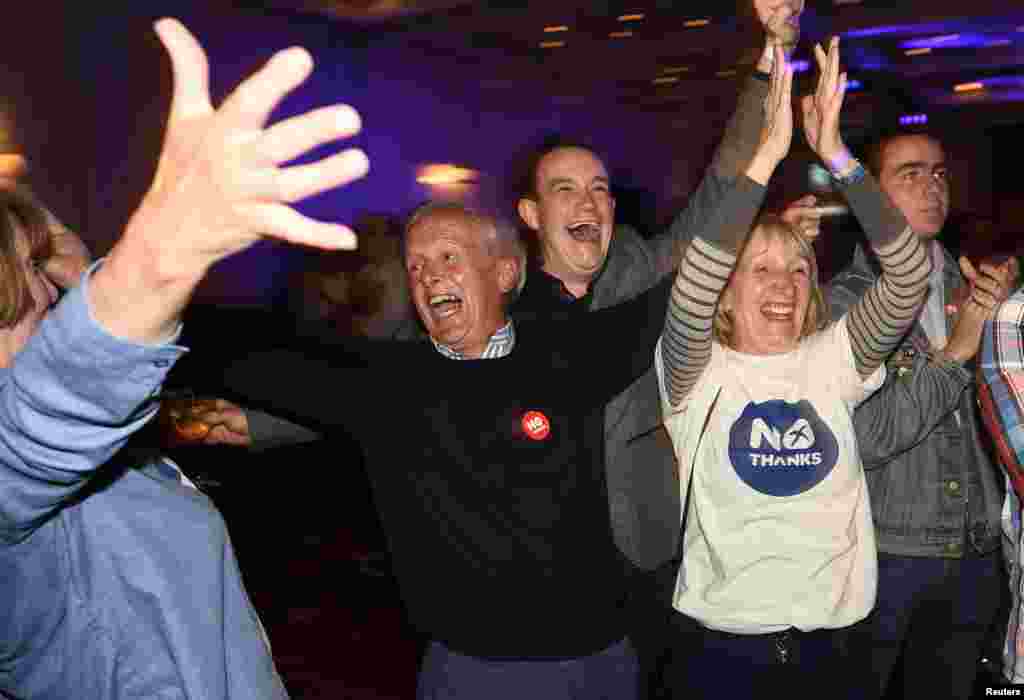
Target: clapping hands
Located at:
point(821, 109)
point(777, 131)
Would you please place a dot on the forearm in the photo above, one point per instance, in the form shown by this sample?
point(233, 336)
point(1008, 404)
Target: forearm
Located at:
point(137, 296)
point(703, 274)
point(743, 131)
point(880, 319)
point(739, 142)
point(72, 397)
point(267, 431)
point(907, 409)
point(686, 338)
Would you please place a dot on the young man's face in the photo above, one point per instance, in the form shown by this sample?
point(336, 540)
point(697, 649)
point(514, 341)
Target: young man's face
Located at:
point(913, 172)
point(573, 214)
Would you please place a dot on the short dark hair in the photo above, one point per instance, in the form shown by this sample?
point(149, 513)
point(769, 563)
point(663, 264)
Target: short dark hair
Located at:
point(18, 211)
point(877, 143)
point(528, 163)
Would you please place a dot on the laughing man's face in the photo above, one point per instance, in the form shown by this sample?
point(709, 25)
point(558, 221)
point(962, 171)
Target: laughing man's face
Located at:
point(457, 282)
point(573, 213)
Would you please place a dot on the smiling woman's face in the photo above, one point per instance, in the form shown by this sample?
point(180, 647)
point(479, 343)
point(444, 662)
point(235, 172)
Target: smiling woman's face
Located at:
point(768, 295)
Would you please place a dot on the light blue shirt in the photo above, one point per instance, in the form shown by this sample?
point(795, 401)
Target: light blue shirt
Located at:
point(116, 579)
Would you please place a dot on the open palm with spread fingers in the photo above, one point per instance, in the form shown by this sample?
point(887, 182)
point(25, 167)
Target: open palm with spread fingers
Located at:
point(225, 165)
point(821, 110)
point(219, 184)
point(777, 131)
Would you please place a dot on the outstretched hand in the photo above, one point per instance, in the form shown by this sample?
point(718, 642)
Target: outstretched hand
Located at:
point(203, 422)
point(821, 110)
point(219, 186)
point(777, 131)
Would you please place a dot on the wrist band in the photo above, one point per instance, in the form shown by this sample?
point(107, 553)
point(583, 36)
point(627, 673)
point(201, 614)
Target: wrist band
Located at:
point(851, 172)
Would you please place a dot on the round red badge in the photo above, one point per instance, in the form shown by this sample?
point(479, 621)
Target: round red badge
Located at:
point(536, 425)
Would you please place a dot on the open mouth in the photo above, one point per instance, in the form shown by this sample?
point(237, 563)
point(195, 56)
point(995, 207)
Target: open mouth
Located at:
point(444, 305)
point(585, 232)
point(778, 312)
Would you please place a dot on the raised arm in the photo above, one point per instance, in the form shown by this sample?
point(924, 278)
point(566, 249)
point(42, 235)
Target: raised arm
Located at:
point(887, 310)
point(710, 258)
point(740, 138)
point(219, 188)
point(87, 377)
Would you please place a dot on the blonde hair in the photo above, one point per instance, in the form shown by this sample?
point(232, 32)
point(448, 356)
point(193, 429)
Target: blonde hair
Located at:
point(18, 212)
point(772, 227)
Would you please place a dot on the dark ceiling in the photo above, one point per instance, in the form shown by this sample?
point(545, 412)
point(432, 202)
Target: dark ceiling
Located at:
point(908, 56)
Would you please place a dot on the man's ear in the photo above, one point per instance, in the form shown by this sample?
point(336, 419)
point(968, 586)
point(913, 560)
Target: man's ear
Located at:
point(508, 274)
point(528, 212)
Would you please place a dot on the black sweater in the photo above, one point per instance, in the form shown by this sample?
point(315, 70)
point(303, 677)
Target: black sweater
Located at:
point(501, 543)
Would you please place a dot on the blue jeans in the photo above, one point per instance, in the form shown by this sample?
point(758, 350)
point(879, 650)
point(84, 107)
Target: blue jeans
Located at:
point(611, 674)
point(937, 612)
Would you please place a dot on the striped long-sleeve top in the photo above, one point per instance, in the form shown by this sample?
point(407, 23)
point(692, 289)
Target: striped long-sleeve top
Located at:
point(876, 324)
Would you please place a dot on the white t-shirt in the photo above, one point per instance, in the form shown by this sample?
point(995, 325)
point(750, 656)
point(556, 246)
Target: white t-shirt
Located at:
point(780, 532)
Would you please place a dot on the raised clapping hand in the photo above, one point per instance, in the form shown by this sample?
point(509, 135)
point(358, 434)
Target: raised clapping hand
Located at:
point(219, 186)
point(987, 286)
point(777, 131)
point(821, 110)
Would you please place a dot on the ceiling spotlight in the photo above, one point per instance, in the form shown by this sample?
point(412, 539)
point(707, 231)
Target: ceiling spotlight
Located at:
point(556, 28)
point(620, 35)
point(636, 17)
point(551, 44)
point(908, 119)
point(665, 80)
point(918, 52)
point(968, 87)
point(696, 23)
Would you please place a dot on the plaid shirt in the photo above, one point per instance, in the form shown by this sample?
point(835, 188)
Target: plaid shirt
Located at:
point(1001, 399)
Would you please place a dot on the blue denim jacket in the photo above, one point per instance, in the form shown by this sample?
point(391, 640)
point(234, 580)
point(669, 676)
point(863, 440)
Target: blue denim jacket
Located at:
point(935, 490)
point(115, 581)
